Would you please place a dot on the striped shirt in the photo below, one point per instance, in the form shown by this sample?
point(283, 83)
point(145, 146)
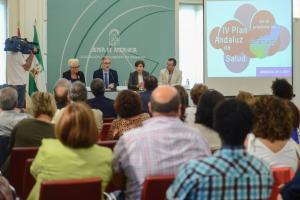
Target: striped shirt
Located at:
point(159, 147)
point(228, 174)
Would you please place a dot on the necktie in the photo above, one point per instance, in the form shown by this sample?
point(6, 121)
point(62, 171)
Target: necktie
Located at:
point(106, 80)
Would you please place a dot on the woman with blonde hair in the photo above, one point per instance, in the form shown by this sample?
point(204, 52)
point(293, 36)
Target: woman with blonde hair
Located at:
point(74, 154)
point(30, 132)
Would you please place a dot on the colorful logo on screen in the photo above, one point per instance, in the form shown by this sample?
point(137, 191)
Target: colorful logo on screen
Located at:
point(252, 34)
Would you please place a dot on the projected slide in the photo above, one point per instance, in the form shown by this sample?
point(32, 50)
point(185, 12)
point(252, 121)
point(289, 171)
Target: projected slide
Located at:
point(249, 38)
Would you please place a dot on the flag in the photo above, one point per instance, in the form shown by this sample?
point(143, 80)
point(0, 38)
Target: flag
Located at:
point(37, 83)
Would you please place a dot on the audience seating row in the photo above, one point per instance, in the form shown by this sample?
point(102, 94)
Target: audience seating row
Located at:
point(154, 186)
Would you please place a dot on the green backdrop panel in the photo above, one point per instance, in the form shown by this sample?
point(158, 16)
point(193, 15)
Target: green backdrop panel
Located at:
point(125, 30)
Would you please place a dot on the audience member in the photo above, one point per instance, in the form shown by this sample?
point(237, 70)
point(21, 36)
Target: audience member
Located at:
point(271, 139)
point(296, 121)
point(184, 99)
point(231, 173)
point(159, 147)
point(150, 84)
point(30, 132)
point(170, 75)
point(61, 90)
point(9, 117)
point(73, 74)
point(74, 154)
point(246, 97)
point(196, 92)
point(282, 89)
point(136, 79)
point(100, 102)
point(78, 93)
point(291, 190)
point(204, 117)
point(128, 106)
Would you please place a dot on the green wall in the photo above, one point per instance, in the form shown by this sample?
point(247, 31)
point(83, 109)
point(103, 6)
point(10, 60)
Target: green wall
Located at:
point(125, 30)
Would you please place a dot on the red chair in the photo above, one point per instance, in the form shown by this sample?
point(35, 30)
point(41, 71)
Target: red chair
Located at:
point(29, 180)
point(19, 155)
point(108, 120)
point(104, 132)
point(89, 188)
point(108, 143)
point(280, 176)
point(155, 187)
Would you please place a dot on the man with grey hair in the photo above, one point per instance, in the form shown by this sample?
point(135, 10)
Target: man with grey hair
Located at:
point(9, 117)
point(78, 93)
point(159, 147)
point(61, 90)
point(100, 102)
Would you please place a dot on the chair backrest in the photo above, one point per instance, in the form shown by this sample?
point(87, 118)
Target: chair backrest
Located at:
point(108, 143)
point(104, 132)
point(19, 155)
point(155, 187)
point(281, 176)
point(108, 119)
point(29, 180)
point(89, 188)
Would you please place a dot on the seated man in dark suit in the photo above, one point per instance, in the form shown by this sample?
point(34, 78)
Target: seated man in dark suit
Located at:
point(150, 84)
point(73, 74)
point(137, 79)
point(100, 101)
point(109, 76)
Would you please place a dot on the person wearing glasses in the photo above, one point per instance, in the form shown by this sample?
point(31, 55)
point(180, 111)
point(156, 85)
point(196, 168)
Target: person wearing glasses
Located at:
point(74, 74)
point(109, 76)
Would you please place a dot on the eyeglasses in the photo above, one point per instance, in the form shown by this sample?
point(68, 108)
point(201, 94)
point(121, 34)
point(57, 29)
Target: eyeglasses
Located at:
point(107, 63)
point(75, 67)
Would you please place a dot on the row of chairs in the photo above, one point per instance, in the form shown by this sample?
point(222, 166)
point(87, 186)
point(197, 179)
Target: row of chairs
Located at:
point(155, 187)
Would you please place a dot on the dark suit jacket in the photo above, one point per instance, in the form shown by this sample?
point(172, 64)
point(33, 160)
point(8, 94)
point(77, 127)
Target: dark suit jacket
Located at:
point(104, 104)
point(113, 76)
point(80, 76)
point(134, 80)
point(145, 98)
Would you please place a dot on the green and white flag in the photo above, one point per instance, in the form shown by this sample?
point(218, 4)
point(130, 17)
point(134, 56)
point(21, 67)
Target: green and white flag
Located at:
point(37, 82)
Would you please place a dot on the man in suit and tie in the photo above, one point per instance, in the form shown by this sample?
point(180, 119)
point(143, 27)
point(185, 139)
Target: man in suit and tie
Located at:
point(170, 75)
point(109, 76)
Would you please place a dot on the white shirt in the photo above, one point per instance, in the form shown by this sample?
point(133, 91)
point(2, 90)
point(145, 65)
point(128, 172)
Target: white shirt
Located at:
point(140, 78)
point(286, 157)
point(190, 115)
point(16, 74)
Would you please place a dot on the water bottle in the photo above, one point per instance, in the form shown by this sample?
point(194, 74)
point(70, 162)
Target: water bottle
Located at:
point(187, 83)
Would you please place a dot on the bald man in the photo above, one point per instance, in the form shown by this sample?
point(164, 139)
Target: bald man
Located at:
point(159, 147)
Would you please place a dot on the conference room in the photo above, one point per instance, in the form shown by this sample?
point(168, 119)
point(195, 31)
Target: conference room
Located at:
point(149, 99)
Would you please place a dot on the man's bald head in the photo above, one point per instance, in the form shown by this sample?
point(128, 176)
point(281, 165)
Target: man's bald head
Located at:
point(165, 100)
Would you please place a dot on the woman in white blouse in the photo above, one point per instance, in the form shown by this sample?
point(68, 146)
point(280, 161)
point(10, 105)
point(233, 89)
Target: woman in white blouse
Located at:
point(271, 138)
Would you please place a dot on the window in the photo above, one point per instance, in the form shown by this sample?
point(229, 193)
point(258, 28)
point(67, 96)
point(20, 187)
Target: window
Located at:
point(191, 43)
point(2, 39)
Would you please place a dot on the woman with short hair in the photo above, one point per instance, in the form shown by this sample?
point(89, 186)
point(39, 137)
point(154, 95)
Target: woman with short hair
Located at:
point(271, 139)
point(128, 107)
point(73, 74)
point(30, 132)
point(137, 78)
point(74, 154)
